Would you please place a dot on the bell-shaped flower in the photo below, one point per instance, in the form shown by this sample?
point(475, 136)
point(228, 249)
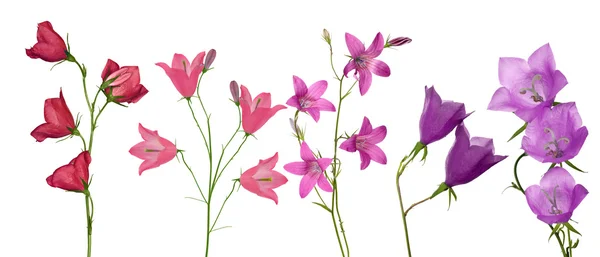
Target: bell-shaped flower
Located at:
point(71, 177)
point(256, 112)
point(527, 86)
point(439, 117)
point(365, 142)
point(309, 99)
point(183, 74)
point(154, 150)
point(363, 61)
point(125, 87)
point(59, 120)
point(469, 158)
point(262, 179)
point(557, 196)
point(312, 170)
point(50, 46)
point(556, 135)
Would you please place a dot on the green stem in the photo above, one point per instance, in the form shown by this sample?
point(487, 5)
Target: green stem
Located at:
point(401, 169)
point(562, 248)
point(417, 203)
point(227, 145)
point(230, 159)
point(223, 205)
point(94, 123)
point(193, 176)
point(89, 215)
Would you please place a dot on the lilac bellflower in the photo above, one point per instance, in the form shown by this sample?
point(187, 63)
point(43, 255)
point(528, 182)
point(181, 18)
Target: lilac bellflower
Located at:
point(439, 117)
point(363, 61)
point(557, 196)
point(365, 143)
point(469, 158)
point(309, 99)
point(556, 135)
point(527, 86)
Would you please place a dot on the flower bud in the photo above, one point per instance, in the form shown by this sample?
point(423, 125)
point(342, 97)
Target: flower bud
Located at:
point(326, 36)
point(399, 41)
point(210, 58)
point(235, 91)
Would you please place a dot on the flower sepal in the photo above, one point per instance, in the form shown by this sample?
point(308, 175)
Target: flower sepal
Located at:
point(518, 132)
point(574, 167)
point(416, 150)
point(442, 188)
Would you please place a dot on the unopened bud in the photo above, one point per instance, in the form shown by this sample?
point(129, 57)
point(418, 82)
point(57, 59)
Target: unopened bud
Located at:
point(399, 41)
point(294, 126)
point(235, 92)
point(326, 36)
point(210, 58)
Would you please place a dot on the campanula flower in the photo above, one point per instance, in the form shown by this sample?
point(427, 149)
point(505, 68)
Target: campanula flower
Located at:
point(154, 150)
point(59, 120)
point(365, 143)
point(183, 74)
point(557, 196)
point(50, 46)
point(309, 99)
point(312, 170)
point(527, 86)
point(363, 61)
point(262, 179)
point(469, 158)
point(256, 112)
point(70, 177)
point(439, 117)
point(126, 87)
point(556, 135)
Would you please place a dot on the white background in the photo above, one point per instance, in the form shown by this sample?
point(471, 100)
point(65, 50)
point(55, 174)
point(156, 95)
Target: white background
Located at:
point(261, 44)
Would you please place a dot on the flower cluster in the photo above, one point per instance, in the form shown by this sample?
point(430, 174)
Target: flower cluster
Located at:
point(554, 133)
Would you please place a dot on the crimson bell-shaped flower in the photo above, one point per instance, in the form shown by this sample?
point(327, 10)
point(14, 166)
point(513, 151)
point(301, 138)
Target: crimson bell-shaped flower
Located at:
point(59, 120)
point(557, 196)
point(262, 179)
point(125, 87)
point(184, 74)
point(50, 46)
point(71, 177)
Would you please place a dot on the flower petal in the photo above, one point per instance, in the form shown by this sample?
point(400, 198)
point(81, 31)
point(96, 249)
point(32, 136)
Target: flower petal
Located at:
point(375, 153)
point(324, 183)
point(376, 46)
point(512, 71)
point(316, 90)
point(294, 102)
point(557, 176)
point(578, 194)
point(300, 87)
point(365, 160)
point(377, 135)
point(296, 168)
point(542, 59)
point(350, 144)
point(349, 67)
point(366, 127)
point(323, 105)
point(560, 81)
point(364, 82)
point(552, 219)
point(180, 62)
point(314, 113)
point(502, 101)
point(305, 152)
point(324, 163)
point(355, 47)
point(308, 182)
point(378, 68)
point(198, 61)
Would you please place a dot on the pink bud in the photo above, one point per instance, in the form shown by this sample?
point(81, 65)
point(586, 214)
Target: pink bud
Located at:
point(210, 58)
point(235, 91)
point(399, 41)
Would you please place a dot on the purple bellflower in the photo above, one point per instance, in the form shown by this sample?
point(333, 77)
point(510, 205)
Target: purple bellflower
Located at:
point(439, 117)
point(527, 86)
point(309, 99)
point(557, 196)
point(365, 143)
point(556, 135)
point(312, 170)
point(363, 61)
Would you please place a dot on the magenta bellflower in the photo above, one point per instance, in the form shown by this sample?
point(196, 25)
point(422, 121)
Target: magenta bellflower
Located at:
point(527, 86)
point(363, 61)
point(312, 170)
point(309, 99)
point(365, 143)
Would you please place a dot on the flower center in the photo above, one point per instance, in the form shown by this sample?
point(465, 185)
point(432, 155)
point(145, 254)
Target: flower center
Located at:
point(554, 208)
point(305, 103)
point(535, 96)
point(151, 150)
point(185, 67)
point(552, 147)
point(314, 167)
point(360, 62)
point(360, 142)
point(269, 179)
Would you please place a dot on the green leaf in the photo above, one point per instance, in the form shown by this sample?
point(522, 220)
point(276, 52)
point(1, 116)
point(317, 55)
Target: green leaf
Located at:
point(552, 166)
point(199, 200)
point(555, 103)
point(555, 230)
point(574, 167)
point(424, 155)
point(575, 244)
point(442, 187)
point(323, 206)
point(571, 228)
point(519, 131)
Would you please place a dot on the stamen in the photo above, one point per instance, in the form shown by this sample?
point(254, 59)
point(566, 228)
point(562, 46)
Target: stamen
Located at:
point(265, 179)
point(360, 62)
point(151, 150)
point(554, 209)
point(535, 95)
point(184, 66)
point(555, 151)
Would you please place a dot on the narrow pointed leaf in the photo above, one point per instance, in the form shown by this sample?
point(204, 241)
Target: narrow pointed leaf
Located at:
point(574, 167)
point(571, 228)
point(518, 132)
point(323, 206)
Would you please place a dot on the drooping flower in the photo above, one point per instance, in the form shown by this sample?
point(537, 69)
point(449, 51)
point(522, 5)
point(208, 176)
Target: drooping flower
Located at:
point(469, 158)
point(309, 99)
point(50, 46)
point(556, 135)
point(312, 170)
point(69, 177)
point(363, 61)
point(183, 74)
point(126, 87)
point(365, 143)
point(557, 196)
point(59, 120)
point(262, 179)
point(256, 112)
point(527, 86)
point(439, 117)
point(154, 150)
